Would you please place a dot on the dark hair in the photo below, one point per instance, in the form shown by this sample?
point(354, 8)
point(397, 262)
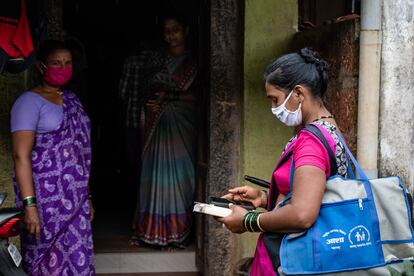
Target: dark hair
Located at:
point(48, 47)
point(305, 67)
point(179, 18)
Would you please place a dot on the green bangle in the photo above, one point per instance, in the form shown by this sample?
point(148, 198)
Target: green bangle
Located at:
point(246, 221)
point(256, 223)
point(251, 221)
point(29, 201)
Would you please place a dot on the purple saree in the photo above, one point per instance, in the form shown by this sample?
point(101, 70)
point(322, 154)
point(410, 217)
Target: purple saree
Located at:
point(61, 164)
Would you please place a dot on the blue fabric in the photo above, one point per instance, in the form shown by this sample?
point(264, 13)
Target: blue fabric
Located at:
point(344, 237)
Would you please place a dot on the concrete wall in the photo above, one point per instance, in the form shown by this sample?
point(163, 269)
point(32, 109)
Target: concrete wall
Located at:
point(10, 87)
point(269, 28)
point(396, 134)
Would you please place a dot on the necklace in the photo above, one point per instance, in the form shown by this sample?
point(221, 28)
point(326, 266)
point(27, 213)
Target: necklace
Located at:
point(325, 117)
point(58, 92)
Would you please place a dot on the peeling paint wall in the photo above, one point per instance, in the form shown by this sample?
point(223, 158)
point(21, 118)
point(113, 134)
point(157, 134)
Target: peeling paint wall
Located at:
point(338, 44)
point(269, 29)
point(396, 136)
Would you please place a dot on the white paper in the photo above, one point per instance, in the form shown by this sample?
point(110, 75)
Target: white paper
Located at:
point(14, 254)
point(211, 210)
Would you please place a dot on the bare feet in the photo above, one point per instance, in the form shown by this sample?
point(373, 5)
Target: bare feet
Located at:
point(134, 241)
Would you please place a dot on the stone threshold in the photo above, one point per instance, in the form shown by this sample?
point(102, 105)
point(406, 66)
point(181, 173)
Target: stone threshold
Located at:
point(153, 274)
point(146, 262)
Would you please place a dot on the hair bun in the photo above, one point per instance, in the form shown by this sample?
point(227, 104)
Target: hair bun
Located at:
point(313, 57)
point(309, 55)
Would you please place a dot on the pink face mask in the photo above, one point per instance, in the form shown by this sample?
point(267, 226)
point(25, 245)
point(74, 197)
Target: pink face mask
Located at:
point(57, 76)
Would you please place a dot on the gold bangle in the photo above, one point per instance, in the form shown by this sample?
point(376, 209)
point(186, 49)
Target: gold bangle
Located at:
point(258, 223)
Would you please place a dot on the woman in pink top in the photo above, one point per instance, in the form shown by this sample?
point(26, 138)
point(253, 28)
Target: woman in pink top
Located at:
point(295, 83)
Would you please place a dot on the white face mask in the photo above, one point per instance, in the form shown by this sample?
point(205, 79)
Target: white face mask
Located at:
point(289, 118)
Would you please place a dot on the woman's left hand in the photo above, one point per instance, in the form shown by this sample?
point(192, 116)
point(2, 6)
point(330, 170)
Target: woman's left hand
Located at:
point(234, 222)
point(92, 210)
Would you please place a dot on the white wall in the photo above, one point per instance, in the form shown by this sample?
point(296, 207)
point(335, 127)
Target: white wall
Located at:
point(396, 136)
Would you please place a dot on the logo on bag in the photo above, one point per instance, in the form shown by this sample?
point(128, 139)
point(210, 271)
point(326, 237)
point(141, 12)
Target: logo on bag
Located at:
point(359, 236)
point(334, 238)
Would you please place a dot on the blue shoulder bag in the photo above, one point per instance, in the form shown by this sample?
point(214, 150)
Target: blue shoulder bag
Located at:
point(362, 224)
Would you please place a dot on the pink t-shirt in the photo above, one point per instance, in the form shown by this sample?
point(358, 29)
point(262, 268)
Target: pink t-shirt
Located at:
point(308, 150)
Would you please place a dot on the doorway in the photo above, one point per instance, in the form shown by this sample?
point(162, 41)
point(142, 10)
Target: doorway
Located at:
point(110, 32)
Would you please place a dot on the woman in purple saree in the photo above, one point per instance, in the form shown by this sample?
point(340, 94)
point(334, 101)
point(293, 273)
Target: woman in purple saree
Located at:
point(52, 153)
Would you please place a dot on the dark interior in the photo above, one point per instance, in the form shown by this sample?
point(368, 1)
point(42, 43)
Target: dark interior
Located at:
point(110, 31)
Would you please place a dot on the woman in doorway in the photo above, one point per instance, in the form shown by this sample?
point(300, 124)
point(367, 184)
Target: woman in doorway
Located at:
point(295, 83)
point(52, 156)
point(166, 190)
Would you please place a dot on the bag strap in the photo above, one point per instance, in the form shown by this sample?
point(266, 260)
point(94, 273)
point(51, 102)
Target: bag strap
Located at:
point(360, 172)
point(318, 133)
point(332, 159)
point(272, 192)
point(285, 158)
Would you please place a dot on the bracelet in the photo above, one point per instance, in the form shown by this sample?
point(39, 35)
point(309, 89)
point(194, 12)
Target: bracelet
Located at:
point(258, 223)
point(29, 201)
point(251, 222)
point(246, 219)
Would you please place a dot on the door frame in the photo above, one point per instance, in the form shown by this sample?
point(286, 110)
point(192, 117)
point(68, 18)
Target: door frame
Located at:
point(224, 120)
point(224, 127)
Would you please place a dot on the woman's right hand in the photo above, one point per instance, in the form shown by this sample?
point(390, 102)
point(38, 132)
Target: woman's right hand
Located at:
point(32, 220)
point(153, 106)
point(247, 193)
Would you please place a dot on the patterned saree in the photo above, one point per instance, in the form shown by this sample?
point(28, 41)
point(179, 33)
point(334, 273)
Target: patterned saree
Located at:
point(166, 191)
point(61, 162)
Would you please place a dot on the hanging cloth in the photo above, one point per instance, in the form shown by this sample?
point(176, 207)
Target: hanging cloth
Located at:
point(15, 38)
